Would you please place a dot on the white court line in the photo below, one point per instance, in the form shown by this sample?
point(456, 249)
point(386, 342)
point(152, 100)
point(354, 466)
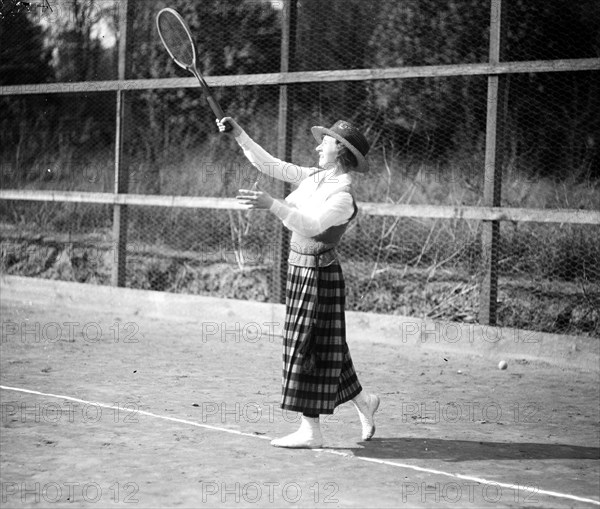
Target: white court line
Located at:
point(329, 451)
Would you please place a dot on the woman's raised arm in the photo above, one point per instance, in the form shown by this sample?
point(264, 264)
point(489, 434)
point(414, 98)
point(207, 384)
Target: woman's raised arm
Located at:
point(261, 159)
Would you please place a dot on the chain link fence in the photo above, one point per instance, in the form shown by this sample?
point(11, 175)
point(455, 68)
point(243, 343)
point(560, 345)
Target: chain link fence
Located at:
point(427, 134)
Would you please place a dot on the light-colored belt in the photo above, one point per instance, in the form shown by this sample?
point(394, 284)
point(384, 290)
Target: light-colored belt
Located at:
point(325, 258)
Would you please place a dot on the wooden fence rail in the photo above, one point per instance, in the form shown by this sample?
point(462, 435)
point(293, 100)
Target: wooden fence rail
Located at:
point(288, 78)
point(562, 216)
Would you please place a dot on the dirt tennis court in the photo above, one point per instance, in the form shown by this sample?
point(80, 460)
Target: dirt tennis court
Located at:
point(110, 401)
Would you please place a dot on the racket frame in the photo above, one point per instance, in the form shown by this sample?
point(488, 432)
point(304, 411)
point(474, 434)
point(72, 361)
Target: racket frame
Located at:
point(193, 68)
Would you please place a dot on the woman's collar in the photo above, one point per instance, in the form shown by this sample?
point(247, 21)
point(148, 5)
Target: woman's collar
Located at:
point(330, 175)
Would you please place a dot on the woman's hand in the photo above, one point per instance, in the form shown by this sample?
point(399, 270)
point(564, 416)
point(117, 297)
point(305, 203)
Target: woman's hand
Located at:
point(255, 198)
point(236, 130)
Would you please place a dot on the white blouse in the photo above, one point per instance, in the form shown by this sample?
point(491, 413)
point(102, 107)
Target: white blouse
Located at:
point(317, 203)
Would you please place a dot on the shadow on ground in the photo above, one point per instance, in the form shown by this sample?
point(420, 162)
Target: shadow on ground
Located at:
point(464, 450)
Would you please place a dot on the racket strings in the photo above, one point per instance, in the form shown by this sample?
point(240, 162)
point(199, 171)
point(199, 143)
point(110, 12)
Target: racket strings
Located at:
point(176, 38)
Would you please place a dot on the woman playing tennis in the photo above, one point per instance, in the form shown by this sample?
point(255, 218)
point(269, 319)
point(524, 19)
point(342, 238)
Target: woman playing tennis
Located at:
point(318, 374)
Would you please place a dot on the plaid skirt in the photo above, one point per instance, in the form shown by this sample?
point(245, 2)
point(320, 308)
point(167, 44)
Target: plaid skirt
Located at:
point(334, 381)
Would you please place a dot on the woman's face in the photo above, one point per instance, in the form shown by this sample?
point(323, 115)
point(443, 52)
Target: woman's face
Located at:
point(328, 151)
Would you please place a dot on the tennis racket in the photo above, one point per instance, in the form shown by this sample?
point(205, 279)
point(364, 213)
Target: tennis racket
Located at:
point(249, 213)
point(177, 40)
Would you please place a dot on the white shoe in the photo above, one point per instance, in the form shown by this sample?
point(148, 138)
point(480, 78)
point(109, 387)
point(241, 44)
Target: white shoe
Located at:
point(297, 441)
point(367, 405)
point(308, 436)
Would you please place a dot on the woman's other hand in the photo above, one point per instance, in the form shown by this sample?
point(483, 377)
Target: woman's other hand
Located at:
point(255, 198)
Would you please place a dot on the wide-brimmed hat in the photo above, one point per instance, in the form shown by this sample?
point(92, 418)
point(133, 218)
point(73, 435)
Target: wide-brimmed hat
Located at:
point(351, 137)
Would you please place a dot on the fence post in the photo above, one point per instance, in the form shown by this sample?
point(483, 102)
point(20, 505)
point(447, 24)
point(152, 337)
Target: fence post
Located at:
point(493, 173)
point(121, 167)
point(284, 141)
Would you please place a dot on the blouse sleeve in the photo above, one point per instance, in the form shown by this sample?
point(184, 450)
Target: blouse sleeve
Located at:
point(338, 209)
point(270, 165)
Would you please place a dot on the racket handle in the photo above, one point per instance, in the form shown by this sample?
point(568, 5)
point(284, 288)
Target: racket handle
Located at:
point(214, 106)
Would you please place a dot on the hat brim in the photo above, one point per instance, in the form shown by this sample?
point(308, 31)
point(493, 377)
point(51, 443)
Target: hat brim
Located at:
point(363, 165)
